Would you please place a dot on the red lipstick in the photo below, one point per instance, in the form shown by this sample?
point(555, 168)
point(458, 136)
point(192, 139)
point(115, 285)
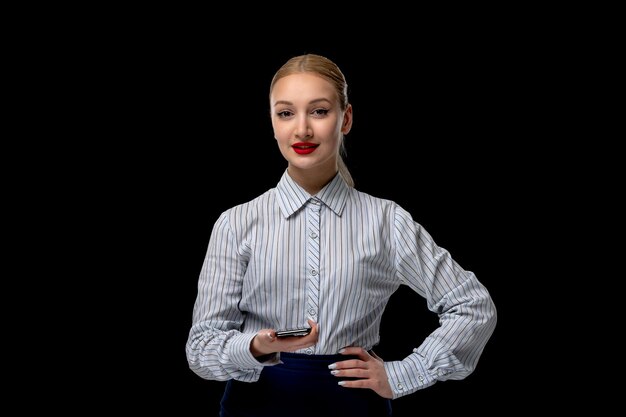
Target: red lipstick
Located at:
point(303, 148)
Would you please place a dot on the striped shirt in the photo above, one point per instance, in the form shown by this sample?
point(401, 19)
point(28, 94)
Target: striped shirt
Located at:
point(336, 257)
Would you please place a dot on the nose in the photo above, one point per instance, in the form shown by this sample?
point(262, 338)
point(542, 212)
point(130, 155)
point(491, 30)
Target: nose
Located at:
point(303, 129)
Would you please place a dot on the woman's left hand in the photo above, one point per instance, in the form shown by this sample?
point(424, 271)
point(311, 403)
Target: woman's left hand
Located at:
point(368, 368)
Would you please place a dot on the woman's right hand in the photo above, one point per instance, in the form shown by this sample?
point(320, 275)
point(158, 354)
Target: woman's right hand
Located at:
point(266, 342)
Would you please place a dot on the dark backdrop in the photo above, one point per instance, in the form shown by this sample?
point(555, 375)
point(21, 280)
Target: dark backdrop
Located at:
point(443, 127)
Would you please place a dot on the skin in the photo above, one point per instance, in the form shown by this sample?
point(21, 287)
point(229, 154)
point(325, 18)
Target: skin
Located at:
point(305, 108)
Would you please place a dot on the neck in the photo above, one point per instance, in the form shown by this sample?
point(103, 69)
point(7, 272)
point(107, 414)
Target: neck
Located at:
point(311, 183)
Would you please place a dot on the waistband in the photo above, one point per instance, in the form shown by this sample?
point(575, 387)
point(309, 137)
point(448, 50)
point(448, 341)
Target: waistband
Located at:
point(304, 361)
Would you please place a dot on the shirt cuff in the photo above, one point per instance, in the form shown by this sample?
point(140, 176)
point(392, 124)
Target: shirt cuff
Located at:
point(241, 357)
point(409, 375)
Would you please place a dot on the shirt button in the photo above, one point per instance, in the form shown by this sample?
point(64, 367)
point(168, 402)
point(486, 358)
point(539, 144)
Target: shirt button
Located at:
point(421, 378)
point(313, 235)
point(308, 351)
point(312, 312)
point(313, 272)
point(400, 387)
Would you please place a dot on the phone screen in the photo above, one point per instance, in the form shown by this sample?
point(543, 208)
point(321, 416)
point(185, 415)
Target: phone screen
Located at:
point(293, 332)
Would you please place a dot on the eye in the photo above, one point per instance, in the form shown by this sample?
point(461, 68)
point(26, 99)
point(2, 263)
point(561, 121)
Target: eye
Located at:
point(284, 114)
point(320, 112)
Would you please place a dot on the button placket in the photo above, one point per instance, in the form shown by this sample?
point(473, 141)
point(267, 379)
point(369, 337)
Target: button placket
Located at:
point(313, 259)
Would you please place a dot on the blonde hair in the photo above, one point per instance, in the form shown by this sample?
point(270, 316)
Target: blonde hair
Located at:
point(328, 70)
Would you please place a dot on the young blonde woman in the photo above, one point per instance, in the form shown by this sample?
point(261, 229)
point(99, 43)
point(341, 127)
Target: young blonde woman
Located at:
point(314, 252)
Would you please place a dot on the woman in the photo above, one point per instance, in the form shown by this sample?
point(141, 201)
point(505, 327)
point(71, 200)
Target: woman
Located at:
point(315, 252)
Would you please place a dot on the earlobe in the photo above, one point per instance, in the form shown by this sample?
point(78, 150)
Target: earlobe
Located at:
point(347, 120)
point(347, 124)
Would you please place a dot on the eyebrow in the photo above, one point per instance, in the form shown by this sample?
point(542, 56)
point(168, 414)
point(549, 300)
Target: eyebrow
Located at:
point(289, 103)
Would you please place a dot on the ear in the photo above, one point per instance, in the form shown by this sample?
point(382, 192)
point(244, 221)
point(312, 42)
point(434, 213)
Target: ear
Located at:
point(347, 120)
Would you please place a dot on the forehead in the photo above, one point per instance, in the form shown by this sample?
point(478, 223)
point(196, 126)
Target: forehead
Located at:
point(302, 87)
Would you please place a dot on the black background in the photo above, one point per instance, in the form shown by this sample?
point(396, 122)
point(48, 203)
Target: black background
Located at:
point(448, 124)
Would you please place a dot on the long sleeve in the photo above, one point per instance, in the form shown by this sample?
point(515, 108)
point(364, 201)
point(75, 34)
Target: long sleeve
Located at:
point(467, 314)
point(284, 256)
point(216, 349)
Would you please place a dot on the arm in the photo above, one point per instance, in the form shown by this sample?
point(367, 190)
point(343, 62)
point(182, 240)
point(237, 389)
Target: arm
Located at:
point(467, 314)
point(216, 349)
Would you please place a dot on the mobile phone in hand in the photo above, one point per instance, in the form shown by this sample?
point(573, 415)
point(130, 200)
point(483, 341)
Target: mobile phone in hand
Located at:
point(301, 331)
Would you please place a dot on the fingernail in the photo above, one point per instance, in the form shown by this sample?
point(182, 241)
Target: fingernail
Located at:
point(342, 350)
point(332, 366)
point(334, 372)
point(341, 382)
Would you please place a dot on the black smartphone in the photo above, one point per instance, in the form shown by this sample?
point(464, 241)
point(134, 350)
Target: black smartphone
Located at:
point(302, 331)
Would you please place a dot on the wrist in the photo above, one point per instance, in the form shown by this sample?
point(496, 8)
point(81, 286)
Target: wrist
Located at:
point(256, 350)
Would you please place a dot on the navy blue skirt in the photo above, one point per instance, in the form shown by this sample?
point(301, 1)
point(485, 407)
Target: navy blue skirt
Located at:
point(301, 386)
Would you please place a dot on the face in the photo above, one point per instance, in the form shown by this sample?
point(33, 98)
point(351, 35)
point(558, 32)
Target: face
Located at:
point(308, 123)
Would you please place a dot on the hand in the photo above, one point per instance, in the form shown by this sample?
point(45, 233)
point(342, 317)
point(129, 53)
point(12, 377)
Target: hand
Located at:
point(266, 342)
point(369, 368)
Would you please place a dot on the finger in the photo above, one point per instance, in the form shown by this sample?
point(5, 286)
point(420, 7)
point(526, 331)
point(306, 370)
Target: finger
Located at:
point(266, 335)
point(355, 351)
point(351, 373)
point(314, 326)
point(348, 364)
point(357, 383)
point(312, 337)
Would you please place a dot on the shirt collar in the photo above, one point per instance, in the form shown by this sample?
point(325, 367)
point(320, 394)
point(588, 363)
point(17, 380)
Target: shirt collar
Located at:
point(291, 197)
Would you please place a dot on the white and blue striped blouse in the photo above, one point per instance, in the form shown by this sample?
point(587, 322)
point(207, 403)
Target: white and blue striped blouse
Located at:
point(336, 258)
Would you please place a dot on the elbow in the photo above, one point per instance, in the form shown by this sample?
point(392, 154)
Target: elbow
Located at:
point(494, 313)
point(490, 316)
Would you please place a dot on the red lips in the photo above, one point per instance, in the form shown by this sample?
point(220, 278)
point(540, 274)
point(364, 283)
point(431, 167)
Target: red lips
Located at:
point(303, 148)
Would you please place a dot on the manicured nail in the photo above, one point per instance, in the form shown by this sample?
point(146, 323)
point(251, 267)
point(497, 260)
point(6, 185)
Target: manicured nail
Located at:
point(341, 382)
point(332, 366)
point(335, 372)
point(342, 350)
